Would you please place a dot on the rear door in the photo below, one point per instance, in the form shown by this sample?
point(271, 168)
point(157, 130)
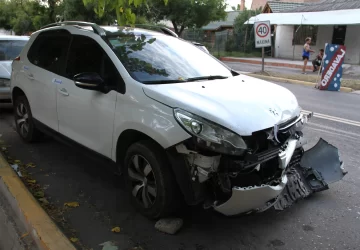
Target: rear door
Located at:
point(87, 116)
point(43, 71)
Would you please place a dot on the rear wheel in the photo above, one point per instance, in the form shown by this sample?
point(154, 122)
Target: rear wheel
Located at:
point(24, 121)
point(150, 181)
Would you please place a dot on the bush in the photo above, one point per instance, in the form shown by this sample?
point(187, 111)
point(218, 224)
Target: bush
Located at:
point(230, 44)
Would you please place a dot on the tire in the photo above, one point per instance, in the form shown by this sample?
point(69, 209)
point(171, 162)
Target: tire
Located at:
point(148, 174)
point(24, 120)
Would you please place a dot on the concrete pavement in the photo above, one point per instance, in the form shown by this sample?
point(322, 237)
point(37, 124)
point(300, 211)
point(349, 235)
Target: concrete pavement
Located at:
point(327, 220)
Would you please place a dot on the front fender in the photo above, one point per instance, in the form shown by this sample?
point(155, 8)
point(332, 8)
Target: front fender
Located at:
point(151, 118)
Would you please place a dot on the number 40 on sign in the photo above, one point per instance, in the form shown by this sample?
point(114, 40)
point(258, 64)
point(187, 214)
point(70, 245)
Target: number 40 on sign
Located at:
point(262, 34)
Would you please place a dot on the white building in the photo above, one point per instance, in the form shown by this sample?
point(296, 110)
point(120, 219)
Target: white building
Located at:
point(329, 21)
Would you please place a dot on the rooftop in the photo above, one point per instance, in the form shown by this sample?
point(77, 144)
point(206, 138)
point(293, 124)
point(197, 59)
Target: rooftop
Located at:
point(327, 5)
point(228, 22)
point(277, 6)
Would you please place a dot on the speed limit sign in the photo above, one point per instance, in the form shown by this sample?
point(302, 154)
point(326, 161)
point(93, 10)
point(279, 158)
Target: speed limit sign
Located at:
point(262, 34)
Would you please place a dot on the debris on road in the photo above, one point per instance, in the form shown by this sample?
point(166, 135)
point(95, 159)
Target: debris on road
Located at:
point(44, 201)
point(17, 169)
point(109, 245)
point(30, 165)
point(116, 230)
point(74, 240)
point(169, 225)
point(71, 204)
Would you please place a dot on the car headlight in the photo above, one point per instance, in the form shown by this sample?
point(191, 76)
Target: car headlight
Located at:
point(4, 83)
point(211, 135)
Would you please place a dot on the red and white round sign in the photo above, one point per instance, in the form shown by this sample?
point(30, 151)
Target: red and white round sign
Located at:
point(262, 30)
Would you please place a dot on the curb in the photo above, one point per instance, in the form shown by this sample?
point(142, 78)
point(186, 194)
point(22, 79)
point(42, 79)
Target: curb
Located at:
point(39, 225)
point(285, 80)
point(249, 61)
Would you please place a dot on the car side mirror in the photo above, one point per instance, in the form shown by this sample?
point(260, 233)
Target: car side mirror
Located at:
point(89, 80)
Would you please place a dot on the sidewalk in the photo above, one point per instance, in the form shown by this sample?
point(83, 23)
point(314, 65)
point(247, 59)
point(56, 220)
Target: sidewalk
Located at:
point(276, 62)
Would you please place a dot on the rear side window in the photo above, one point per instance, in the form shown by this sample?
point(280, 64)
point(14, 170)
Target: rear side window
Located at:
point(49, 51)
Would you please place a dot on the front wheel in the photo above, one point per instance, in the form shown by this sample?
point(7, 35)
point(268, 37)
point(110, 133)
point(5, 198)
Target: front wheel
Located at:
point(150, 181)
point(24, 121)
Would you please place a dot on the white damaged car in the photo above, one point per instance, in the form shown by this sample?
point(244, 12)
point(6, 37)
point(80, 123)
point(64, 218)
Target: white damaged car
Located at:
point(178, 123)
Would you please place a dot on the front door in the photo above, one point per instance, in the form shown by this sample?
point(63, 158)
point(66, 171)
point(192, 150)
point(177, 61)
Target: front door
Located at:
point(87, 116)
point(339, 35)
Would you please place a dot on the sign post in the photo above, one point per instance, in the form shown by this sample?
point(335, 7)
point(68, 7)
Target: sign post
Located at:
point(262, 37)
point(332, 67)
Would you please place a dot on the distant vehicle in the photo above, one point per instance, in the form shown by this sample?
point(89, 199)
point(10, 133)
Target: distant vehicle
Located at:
point(10, 47)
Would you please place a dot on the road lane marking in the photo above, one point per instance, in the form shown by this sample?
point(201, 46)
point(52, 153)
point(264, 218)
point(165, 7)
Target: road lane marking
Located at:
point(333, 131)
point(333, 118)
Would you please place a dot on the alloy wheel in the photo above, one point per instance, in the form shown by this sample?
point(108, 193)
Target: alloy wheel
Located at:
point(142, 180)
point(22, 119)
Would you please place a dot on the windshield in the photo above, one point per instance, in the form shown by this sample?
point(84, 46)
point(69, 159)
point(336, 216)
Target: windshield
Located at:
point(10, 49)
point(159, 58)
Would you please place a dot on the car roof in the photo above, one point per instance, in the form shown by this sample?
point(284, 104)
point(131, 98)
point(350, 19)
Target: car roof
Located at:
point(109, 30)
point(8, 37)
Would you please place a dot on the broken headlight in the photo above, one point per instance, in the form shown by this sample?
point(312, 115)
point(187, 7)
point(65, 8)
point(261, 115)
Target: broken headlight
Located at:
point(211, 135)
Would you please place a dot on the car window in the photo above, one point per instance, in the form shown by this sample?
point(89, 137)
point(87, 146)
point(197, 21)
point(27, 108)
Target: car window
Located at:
point(10, 49)
point(49, 51)
point(86, 55)
point(152, 58)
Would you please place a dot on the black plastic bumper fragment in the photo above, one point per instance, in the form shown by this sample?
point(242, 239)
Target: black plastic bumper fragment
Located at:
point(318, 167)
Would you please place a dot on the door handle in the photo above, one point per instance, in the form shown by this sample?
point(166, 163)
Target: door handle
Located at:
point(64, 92)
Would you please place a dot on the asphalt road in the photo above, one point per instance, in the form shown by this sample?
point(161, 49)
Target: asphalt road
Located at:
point(327, 220)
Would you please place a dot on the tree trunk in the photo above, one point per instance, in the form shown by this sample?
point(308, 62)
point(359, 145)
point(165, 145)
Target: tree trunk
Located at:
point(175, 27)
point(181, 30)
point(51, 4)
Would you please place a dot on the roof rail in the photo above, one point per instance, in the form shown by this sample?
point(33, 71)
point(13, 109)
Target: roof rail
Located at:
point(165, 30)
point(97, 29)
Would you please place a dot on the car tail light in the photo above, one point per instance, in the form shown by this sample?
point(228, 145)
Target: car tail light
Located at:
point(17, 58)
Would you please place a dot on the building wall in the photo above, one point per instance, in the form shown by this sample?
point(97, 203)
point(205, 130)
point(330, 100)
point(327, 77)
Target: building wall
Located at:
point(284, 47)
point(352, 41)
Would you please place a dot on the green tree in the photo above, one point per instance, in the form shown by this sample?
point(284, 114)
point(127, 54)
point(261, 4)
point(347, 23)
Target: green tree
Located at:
point(189, 13)
point(22, 16)
point(244, 33)
point(70, 10)
point(122, 8)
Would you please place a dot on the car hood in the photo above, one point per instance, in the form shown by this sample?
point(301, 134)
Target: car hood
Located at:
point(5, 69)
point(242, 104)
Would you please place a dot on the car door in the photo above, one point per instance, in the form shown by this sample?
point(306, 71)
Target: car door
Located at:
point(87, 116)
point(43, 68)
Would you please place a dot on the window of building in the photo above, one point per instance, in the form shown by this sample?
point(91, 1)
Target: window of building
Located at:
point(303, 32)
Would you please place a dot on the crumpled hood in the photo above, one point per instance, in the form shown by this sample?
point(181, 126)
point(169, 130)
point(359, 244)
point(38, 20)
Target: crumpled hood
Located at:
point(242, 104)
point(5, 69)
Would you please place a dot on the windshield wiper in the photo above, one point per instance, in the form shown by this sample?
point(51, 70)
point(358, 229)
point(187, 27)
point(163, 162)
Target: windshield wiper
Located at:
point(163, 81)
point(192, 79)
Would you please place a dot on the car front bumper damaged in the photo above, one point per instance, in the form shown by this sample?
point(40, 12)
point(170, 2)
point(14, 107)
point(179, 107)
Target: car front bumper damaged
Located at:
point(308, 172)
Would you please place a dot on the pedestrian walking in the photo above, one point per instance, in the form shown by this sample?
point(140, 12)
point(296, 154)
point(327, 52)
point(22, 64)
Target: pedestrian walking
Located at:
point(306, 53)
point(317, 61)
